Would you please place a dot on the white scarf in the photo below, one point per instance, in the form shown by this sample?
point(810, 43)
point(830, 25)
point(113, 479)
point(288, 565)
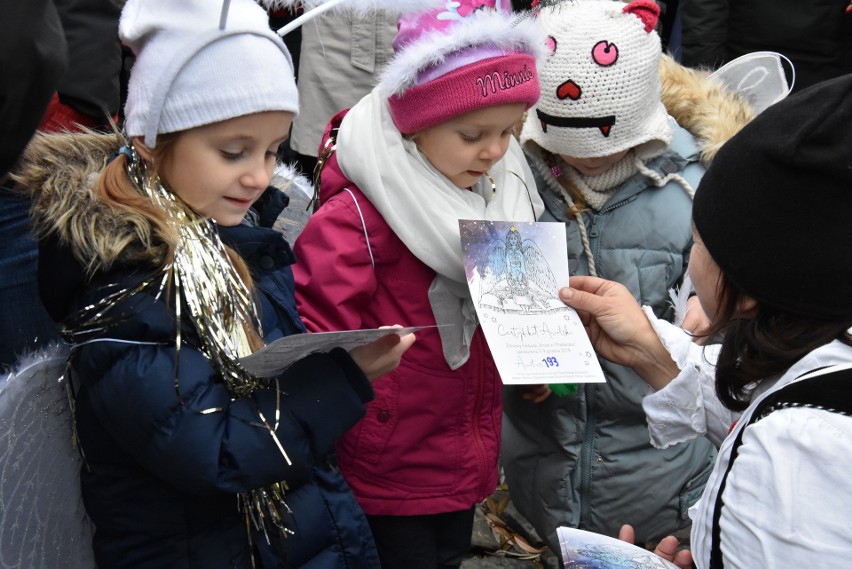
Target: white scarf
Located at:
point(423, 208)
point(597, 190)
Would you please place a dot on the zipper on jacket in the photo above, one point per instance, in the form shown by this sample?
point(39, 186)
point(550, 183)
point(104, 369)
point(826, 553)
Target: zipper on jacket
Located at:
point(594, 242)
point(619, 204)
point(477, 420)
point(586, 456)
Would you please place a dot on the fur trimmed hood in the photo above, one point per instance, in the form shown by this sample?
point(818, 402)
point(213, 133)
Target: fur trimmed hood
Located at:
point(703, 106)
point(60, 172)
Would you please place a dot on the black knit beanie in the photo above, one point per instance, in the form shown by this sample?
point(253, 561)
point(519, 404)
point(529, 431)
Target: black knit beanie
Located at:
point(775, 208)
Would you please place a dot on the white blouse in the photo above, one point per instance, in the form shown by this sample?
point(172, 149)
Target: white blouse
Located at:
point(788, 498)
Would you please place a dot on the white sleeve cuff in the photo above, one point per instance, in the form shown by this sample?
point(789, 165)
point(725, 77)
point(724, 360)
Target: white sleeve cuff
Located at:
point(677, 413)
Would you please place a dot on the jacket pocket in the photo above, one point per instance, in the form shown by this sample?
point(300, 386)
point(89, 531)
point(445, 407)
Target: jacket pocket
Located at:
point(377, 426)
point(412, 436)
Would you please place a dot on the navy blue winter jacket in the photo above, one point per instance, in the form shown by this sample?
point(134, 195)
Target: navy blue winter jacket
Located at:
point(163, 474)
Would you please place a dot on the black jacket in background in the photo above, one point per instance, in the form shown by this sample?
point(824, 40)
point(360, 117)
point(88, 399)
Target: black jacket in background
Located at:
point(91, 84)
point(816, 35)
point(32, 59)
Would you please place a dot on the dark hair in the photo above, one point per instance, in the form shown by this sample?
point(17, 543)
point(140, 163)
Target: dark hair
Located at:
point(764, 344)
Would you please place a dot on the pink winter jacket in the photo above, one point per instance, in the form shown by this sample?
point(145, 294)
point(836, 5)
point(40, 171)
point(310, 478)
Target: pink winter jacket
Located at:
point(430, 439)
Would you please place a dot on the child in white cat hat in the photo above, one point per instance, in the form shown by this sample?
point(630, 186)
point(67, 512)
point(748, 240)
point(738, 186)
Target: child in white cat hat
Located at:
point(619, 172)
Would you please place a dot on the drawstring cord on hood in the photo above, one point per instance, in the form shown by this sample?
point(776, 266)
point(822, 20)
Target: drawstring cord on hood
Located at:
point(660, 181)
point(576, 213)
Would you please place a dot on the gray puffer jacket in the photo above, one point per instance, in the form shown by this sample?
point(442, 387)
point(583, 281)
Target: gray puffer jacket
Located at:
point(586, 460)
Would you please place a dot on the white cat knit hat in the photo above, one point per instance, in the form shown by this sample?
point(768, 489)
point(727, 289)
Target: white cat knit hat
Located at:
point(197, 64)
point(600, 85)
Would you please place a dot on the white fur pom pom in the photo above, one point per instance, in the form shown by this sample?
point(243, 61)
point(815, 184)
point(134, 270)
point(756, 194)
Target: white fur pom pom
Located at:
point(679, 298)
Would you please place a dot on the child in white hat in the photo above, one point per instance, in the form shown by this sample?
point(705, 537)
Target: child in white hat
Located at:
point(163, 269)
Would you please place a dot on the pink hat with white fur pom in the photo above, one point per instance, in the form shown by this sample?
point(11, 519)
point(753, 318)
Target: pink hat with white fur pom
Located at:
point(468, 55)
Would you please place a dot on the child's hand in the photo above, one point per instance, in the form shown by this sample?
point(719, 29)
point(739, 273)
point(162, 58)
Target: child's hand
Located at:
point(667, 548)
point(537, 393)
point(382, 356)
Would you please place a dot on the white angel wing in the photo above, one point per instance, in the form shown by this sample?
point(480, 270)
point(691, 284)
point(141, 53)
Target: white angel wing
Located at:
point(538, 270)
point(42, 519)
point(359, 8)
point(757, 76)
point(679, 297)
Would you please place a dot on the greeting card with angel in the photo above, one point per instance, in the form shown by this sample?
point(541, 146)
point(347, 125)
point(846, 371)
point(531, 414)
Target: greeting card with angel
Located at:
point(514, 271)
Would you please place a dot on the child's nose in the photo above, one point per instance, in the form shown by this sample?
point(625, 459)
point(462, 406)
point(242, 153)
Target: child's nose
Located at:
point(569, 90)
point(493, 150)
point(257, 177)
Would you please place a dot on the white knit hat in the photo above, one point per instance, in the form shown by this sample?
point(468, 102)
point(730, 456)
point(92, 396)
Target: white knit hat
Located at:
point(600, 86)
point(196, 65)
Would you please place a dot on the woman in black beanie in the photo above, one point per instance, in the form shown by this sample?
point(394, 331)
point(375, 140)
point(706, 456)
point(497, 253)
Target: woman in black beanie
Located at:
point(772, 270)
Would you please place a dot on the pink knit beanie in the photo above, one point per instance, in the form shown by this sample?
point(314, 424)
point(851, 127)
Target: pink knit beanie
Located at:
point(469, 55)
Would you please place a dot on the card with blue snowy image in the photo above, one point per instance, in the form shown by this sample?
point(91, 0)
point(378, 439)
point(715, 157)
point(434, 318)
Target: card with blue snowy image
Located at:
point(586, 550)
point(514, 271)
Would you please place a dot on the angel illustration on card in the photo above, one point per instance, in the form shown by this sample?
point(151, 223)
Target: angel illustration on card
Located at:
point(517, 278)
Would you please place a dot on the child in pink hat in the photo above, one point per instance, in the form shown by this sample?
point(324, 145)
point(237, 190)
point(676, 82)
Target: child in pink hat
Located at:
point(432, 144)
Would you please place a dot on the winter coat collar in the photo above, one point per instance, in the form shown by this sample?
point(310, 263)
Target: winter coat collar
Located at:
point(81, 236)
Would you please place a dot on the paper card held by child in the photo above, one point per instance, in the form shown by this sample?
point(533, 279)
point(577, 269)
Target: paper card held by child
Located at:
point(280, 354)
point(514, 271)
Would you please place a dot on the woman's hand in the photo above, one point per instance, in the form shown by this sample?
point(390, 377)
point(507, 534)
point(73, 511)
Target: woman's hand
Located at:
point(667, 548)
point(382, 356)
point(618, 328)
